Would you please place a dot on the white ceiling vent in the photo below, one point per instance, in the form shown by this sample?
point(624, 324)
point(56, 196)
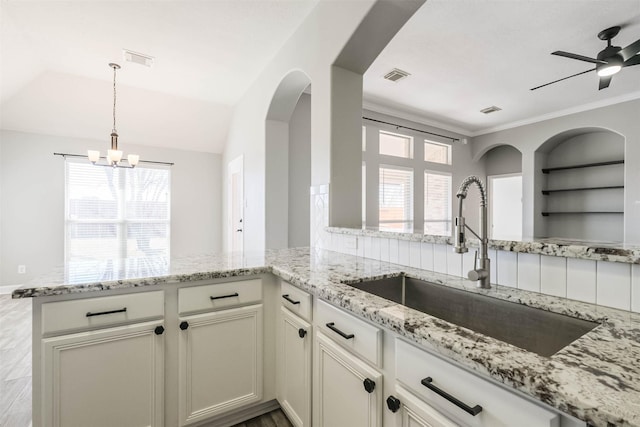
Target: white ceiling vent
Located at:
point(138, 58)
point(490, 110)
point(396, 74)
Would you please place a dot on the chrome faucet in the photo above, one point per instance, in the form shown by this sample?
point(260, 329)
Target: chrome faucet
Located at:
point(480, 273)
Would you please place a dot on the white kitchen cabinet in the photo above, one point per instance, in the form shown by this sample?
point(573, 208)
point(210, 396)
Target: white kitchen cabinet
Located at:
point(220, 362)
point(346, 391)
point(109, 377)
point(294, 368)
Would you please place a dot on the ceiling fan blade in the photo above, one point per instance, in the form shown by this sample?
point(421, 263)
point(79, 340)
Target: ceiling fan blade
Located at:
point(630, 50)
point(578, 57)
point(635, 60)
point(564, 78)
point(604, 82)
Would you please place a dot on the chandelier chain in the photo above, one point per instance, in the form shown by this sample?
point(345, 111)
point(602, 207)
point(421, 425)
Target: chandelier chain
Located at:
point(114, 99)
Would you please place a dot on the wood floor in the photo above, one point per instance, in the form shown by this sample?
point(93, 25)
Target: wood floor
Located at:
point(15, 362)
point(15, 369)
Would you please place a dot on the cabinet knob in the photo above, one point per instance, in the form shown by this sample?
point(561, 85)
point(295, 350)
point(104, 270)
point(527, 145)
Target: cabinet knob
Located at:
point(302, 333)
point(369, 385)
point(184, 325)
point(393, 403)
point(159, 330)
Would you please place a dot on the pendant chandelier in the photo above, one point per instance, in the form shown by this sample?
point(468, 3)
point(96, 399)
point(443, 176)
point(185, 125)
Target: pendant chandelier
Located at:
point(114, 156)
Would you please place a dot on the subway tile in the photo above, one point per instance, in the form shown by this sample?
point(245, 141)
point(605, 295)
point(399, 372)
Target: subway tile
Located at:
point(581, 280)
point(361, 246)
point(635, 288)
point(350, 245)
point(426, 256)
point(613, 284)
point(403, 252)
point(529, 272)
point(384, 250)
point(414, 254)
point(393, 251)
point(375, 248)
point(440, 258)
point(493, 265)
point(454, 262)
point(553, 275)
point(508, 269)
point(367, 246)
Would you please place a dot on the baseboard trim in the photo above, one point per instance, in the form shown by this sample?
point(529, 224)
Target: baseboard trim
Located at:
point(242, 415)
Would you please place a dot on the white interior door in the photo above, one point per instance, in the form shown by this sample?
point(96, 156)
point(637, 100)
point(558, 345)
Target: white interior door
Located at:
point(505, 206)
point(236, 205)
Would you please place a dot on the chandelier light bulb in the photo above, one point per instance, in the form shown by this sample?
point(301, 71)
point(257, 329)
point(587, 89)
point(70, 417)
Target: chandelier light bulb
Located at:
point(93, 155)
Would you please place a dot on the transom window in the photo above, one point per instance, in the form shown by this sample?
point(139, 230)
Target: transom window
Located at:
point(393, 144)
point(437, 152)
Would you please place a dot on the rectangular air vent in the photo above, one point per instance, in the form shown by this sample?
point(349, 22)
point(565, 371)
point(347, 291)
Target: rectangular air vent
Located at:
point(396, 74)
point(490, 110)
point(138, 58)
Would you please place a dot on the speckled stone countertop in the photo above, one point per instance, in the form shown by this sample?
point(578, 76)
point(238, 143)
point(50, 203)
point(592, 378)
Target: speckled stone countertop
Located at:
point(568, 248)
point(596, 378)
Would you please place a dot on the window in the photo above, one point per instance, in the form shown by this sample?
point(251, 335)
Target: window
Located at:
point(392, 144)
point(436, 152)
point(395, 199)
point(437, 203)
point(116, 215)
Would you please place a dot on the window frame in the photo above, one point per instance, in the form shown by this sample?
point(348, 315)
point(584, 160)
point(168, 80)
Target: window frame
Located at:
point(449, 160)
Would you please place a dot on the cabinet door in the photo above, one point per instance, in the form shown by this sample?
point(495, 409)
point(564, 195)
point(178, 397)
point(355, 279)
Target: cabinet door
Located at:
point(294, 368)
point(414, 412)
point(220, 357)
point(340, 397)
point(110, 377)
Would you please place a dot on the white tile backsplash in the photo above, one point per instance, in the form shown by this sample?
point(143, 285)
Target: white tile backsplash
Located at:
point(375, 248)
point(553, 275)
point(440, 258)
point(384, 250)
point(581, 280)
point(507, 268)
point(604, 283)
point(635, 288)
point(613, 284)
point(414, 255)
point(393, 250)
point(426, 256)
point(528, 268)
point(403, 252)
point(454, 262)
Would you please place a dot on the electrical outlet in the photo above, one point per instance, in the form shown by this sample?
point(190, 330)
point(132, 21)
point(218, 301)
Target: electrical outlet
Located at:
point(22, 269)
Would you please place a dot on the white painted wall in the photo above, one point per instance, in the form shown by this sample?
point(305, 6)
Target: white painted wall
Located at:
point(300, 172)
point(621, 118)
point(503, 160)
point(313, 49)
point(32, 202)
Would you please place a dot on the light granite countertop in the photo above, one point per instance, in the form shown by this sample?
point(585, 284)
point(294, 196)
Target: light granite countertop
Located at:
point(561, 247)
point(596, 378)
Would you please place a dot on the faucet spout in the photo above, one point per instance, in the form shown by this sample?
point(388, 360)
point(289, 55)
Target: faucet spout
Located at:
point(481, 272)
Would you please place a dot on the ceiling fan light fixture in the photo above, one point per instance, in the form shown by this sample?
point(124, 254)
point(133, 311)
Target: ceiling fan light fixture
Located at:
point(613, 65)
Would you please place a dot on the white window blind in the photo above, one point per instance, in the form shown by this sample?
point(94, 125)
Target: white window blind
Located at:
point(437, 203)
point(393, 144)
point(116, 215)
point(395, 198)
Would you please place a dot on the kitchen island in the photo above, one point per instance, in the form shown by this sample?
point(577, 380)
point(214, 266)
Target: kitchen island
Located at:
point(595, 379)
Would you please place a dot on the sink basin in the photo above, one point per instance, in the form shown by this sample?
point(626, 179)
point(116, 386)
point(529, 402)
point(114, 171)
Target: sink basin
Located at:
point(529, 328)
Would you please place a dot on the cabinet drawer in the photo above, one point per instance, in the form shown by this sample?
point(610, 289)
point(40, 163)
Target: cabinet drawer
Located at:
point(219, 295)
point(296, 300)
point(499, 407)
point(350, 332)
point(101, 312)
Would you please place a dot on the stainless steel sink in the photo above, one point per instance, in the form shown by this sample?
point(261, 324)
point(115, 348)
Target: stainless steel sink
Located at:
point(532, 329)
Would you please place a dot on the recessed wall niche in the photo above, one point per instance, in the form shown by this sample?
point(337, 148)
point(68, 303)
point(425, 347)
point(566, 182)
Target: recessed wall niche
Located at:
point(580, 176)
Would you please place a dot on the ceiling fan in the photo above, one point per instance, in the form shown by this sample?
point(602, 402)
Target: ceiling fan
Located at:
point(609, 61)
